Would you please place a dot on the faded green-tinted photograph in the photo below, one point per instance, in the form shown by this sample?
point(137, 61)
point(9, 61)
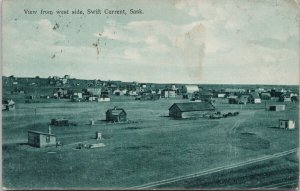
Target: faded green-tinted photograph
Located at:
point(136, 94)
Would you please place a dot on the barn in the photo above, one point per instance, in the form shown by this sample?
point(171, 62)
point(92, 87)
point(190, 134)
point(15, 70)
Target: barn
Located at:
point(190, 109)
point(190, 89)
point(40, 139)
point(286, 124)
point(116, 115)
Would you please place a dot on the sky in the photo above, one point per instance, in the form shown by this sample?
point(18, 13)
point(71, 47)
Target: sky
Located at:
point(173, 41)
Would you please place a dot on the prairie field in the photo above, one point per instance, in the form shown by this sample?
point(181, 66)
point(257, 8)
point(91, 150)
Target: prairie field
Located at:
point(151, 150)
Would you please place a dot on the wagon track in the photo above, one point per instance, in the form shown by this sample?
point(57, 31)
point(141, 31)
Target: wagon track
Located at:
point(215, 170)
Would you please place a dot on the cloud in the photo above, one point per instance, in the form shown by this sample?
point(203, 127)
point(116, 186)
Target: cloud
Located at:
point(274, 43)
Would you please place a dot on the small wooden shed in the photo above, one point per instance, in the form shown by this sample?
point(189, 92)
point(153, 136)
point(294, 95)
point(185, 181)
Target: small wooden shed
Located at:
point(60, 122)
point(41, 139)
point(116, 115)
point(286, 124)
point(276, 107)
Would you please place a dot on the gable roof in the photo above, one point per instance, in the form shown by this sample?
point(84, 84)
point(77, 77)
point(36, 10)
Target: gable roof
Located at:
point(193, 106)
point(40, 133)
point(116, 111)
point(8, 102)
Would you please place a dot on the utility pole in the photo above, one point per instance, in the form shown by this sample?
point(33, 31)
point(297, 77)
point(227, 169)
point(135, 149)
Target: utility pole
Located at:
point(34, 116)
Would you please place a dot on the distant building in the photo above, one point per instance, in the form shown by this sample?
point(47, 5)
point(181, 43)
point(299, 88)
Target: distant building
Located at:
point(116, 115)
point(286, 124)
point(118, 92)
point(40, 139)
point(190, 89)
point(60, 93)
point(64, 80)
point(190, 109)
point(203, 96)
point(234, 90)
point(91, 98)
point(77, 94)
point(131, 93)
point(276, 107)
point(168, 93)
point(8, 105)
point(221, 95)
point(233, 99)
point(94, 91)
point(67, 76)
point(103, 99)
point(244, 99)
point(149, 96)
point(265, 96)
point(255, 98)
point(173, 87)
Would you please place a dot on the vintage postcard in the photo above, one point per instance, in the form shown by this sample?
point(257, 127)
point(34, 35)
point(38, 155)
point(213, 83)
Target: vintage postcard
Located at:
point(150, 94)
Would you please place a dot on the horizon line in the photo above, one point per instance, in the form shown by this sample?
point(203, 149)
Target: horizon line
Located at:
point(161, 82)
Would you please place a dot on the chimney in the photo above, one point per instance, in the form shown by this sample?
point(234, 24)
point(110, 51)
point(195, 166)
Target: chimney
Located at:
point(49, 129)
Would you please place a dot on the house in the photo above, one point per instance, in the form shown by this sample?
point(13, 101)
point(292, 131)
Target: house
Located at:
point(286, 124)
point(78, 95)
point(64, 80)
point(149, 96)
point(221, 95)
point(233, 99)
point(294, 98)
point(91, 98)
point(234, 90)
point(265, 96)
point(204, 96)
point(60, 93)
point(94, 91)
point(259, 90)
point(186, 96)
point(244, 99)
point(190, 109)
point(255, 98)
point(276, 107)
point(103, 99)
point(40, 139)
point(116, 115)
point(131, 93)
point(173, 87)
point(8, 105)
point(168, 93)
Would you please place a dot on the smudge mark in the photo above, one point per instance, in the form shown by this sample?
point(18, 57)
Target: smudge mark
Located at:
point(96, 45)
point(191, 47)
point(56, 26)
